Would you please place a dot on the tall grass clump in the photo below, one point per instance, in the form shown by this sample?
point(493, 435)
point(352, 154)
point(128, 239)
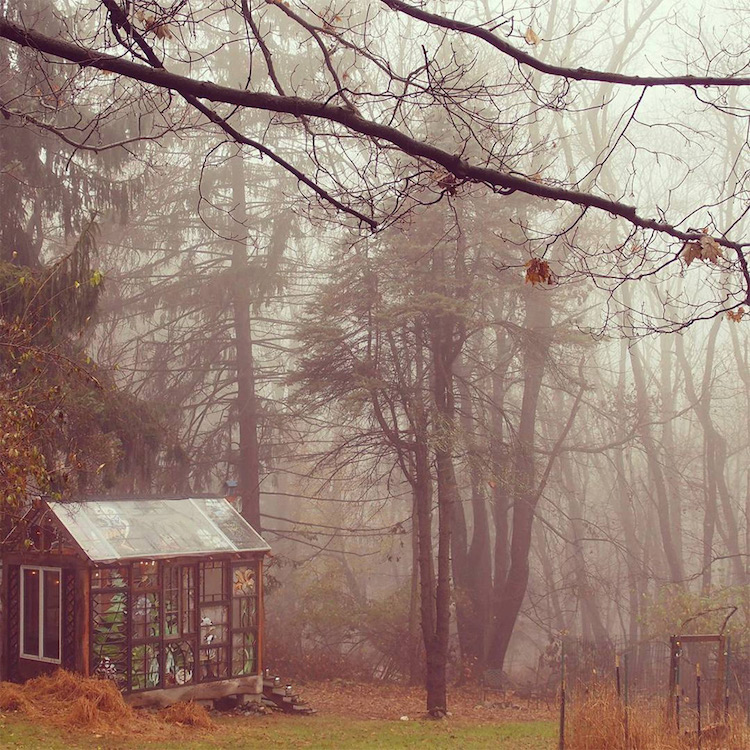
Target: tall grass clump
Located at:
point(597, 720)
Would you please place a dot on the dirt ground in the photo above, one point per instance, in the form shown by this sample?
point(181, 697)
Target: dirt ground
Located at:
point(388, 701)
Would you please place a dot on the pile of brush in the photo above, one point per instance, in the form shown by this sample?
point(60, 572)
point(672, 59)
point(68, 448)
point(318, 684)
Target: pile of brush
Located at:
point(71, 701)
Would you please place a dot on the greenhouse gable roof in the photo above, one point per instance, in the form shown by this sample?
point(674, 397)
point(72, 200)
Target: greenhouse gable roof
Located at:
point(108, 530)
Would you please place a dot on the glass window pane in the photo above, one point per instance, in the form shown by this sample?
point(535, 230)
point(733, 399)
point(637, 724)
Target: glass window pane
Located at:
point(145, 620)
point(145, 575)
point(214, 625)
point(108, 578)
point(243, 613)
point(213, 663)
point(109, 638)
point(178, 663)
point(232, 526)
point(244, 581)
point(212, 582)
point(145, 669)
point(243, 654)
point(31, 612)
point(51, 614)
point(171, 601)
point(188, 600)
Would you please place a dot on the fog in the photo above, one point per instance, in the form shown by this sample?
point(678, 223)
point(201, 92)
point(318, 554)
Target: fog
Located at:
point(457, 300)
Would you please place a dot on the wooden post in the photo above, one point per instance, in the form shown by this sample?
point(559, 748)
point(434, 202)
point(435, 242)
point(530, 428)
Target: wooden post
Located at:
point(83, 620)
point(617, 674)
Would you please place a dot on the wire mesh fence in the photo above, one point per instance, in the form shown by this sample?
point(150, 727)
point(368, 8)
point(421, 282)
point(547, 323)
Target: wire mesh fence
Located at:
point(642, 666)
point(739, 678)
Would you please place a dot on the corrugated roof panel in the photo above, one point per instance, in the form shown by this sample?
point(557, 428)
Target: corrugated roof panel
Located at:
point(130, 529)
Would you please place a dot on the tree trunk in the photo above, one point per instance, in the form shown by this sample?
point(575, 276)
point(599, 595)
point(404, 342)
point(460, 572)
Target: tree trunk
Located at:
point(434, 593)
point(556, 616)
point(500, 494)
point(524, 490)
point(654, 459)
point(478, 592)
point(671, 473)
point(248, 466)
point(744, 372)
point(715, 454)
point(415, 667)
point(591, 621)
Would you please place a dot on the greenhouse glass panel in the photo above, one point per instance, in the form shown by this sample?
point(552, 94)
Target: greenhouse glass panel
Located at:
point(108, 530)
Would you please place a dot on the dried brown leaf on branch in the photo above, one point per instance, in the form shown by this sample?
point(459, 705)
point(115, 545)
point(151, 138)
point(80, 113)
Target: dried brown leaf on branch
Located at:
point(445, 180)
point(704, 248)
point(539, 272)
point(531, 37)
point(150, 23)
point(162, 31)
point(736, 315)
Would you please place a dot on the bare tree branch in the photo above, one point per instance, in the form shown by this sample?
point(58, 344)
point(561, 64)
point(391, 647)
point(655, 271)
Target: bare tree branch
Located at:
point(560, 71)
point(301, 107)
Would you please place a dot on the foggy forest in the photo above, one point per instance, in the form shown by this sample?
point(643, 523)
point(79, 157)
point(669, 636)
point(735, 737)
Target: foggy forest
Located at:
point(452, 297)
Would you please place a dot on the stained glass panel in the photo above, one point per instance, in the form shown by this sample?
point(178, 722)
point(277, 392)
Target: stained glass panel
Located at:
point(243, 654)
point(178, 663)
point(145, 667)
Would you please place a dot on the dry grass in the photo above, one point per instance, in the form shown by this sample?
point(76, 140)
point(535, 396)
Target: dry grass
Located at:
point(188, 714)
point(597, 720)
point(73, 702)
point(70, 701)
point(12, 698)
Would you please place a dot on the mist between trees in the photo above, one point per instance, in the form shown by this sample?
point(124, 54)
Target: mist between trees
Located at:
point(456, 293)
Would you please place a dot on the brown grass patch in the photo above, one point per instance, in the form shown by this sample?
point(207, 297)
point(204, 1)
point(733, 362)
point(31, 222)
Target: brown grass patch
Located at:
point(13, 699)
point(70, 701)
point(597, 720)
point(187, 714)
point(73, 702)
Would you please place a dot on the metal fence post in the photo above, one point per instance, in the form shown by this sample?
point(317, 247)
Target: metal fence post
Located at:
point(678, 687)
point(727, 670)
point(698, 699)
point(561, 743)
point(673, 695)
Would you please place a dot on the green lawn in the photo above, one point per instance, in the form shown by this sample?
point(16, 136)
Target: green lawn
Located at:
point(313, 733)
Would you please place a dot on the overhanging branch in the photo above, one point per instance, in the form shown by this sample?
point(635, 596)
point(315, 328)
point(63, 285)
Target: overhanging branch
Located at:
point(354, 122)
point(560, 71)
